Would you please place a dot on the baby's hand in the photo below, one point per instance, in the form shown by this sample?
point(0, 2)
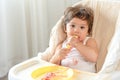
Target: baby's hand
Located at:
point(62, 53)
point(72, 41)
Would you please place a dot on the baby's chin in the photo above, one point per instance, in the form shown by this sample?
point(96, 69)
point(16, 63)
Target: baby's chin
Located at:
point(81, 40)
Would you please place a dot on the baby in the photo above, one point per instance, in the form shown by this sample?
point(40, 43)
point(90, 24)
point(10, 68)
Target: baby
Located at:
point(78, 50)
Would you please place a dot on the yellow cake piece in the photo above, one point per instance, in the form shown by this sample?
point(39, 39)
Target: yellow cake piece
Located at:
point(75, 36)
point(68, 46)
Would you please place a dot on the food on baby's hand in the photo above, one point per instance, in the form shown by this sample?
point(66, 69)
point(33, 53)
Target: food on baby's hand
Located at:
point(68, 46)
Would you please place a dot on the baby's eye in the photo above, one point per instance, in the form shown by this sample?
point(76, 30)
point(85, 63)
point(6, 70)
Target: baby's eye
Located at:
point(73, 26)
point(82, 27)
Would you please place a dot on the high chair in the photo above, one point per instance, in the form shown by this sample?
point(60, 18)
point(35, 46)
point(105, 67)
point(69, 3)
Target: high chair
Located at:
point(106, 30)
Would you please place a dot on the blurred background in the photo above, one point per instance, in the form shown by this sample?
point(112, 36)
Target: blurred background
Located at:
point(25, 27)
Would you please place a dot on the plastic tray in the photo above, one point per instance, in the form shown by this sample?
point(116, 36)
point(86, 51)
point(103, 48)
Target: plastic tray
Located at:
point(24, 70)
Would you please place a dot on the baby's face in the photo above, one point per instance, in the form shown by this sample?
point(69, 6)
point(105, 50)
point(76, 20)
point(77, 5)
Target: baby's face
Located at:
point(77, 27)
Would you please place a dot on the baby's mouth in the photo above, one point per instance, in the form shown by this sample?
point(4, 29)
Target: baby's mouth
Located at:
point(75, 36)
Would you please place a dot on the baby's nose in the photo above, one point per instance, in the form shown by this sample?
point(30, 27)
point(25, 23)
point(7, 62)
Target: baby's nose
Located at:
point(77, 30)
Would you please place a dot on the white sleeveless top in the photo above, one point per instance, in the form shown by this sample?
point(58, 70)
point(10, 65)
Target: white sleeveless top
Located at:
point(76, 61)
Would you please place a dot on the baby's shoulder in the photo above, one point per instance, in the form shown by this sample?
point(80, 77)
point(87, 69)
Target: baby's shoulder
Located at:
point(91, 40)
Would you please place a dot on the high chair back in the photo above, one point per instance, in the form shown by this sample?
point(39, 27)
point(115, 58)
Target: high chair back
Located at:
point(105, 18)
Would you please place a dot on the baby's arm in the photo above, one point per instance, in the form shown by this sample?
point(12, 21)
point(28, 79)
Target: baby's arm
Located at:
point(60, 54)
point(89, 51)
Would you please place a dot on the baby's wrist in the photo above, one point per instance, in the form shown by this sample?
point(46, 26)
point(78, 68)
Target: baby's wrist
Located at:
point(78, 44)
point(55, 59)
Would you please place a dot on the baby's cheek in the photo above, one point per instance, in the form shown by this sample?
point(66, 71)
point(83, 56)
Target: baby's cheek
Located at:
point(82, 38)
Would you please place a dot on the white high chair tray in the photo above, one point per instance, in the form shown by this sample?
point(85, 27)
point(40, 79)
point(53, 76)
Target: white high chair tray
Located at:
point(23, 70)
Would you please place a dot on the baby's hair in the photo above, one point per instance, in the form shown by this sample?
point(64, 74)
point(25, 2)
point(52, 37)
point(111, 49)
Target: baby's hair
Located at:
point(81, 12)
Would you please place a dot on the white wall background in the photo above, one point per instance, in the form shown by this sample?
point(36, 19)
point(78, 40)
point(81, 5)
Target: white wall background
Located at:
point(56, 9)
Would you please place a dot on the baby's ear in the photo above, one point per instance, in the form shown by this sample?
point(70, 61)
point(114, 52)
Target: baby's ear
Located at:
point(88, 34)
